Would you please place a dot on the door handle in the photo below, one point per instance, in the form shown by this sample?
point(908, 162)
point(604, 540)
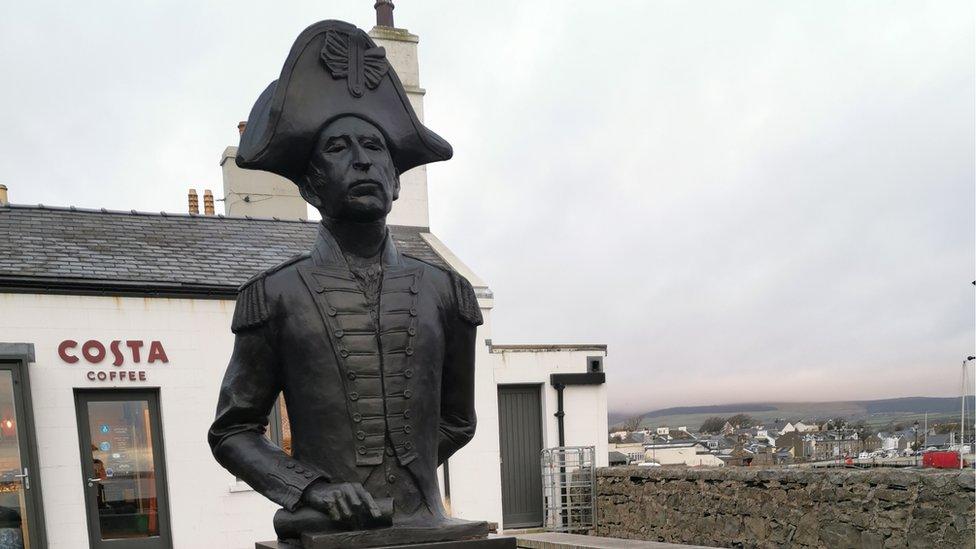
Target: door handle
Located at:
point(96, 479)
point(25, 478)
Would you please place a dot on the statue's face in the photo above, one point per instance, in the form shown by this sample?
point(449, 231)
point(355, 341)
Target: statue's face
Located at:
point(351, 175)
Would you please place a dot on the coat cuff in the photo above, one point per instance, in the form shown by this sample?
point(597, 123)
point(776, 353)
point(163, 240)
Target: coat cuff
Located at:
point(296, 477)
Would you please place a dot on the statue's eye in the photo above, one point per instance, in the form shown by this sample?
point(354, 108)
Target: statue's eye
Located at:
point(335, 146)
point(372, 145)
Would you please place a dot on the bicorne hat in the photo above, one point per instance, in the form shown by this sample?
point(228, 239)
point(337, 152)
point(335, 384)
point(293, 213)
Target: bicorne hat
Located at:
point(333, 70)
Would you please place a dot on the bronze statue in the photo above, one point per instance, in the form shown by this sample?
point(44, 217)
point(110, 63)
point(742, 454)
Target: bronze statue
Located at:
point(373, 350)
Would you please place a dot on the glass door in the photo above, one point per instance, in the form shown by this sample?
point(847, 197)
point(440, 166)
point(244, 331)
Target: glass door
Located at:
point(123, 469)
point(20, 526)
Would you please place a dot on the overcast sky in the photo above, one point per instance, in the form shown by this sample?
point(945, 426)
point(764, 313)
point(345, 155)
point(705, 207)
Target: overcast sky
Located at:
point(745, 200)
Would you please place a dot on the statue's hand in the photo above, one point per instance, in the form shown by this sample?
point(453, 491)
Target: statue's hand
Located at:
point(346, 502)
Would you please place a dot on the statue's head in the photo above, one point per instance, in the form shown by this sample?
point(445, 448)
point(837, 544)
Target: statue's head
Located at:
point(351, 174)
point(339, 124)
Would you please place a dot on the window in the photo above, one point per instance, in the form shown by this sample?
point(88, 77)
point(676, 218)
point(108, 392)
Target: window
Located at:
point(279, 427)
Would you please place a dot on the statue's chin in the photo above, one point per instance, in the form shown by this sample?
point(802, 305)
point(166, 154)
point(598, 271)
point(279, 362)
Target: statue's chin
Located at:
point(366, 209)
point(360, 210)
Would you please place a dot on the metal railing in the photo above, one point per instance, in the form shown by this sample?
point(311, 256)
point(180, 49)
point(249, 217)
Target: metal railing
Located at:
point(569, 488)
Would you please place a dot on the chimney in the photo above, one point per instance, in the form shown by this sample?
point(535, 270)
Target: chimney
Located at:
point(241, 125)
point(3, 195)
point(384, 13)
point(194, 201)
point(401, 51)
point(208, 202)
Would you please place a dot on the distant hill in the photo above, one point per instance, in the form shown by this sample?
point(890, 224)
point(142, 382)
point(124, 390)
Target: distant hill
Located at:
point(875, 412)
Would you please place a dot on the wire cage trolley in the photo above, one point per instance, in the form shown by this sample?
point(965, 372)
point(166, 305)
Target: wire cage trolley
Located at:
point(569, 488)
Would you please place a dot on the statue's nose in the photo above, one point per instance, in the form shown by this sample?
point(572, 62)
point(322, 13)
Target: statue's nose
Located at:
point(361, 159)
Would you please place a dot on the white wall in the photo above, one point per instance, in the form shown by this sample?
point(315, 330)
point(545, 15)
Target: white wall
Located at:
point(476, 468)
point(268, 194)
point(205, 513)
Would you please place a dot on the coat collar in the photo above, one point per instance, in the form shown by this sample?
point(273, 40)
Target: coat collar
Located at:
point(327, 253)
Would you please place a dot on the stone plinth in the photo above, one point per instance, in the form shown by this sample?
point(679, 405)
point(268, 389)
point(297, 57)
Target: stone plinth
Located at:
point(491, 542)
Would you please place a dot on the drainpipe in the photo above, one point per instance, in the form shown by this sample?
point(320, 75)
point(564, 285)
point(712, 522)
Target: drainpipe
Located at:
point(559, 382)
point(560, 413)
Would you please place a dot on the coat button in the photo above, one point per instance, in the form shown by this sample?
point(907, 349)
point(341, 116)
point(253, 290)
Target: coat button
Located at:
point(391, 478)
point(408, 393)
point(414, 290)
point(320, 289)
point(406, 413)
point(353, 395)
point(408, 445)
point(344, 353)
point(361, 450)
point(339, 333)
point(351, 375)
point(409, 351)
point(309, 474)
point(408, 373)
point(299, 470)
point(389, 451)
point(407, 429)
point(332, 311)
point(290, 465)
point(413, 311)
point(412, 331)
point(357, 418)
point(360, 435)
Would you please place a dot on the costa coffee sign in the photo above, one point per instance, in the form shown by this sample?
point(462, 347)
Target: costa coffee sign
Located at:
point(120, 352)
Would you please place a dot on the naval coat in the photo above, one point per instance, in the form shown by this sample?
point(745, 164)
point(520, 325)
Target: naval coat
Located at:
point(357, 382)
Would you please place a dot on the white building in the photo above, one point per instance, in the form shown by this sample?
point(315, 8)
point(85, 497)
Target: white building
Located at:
point(801, 427)
point(115, 335)
point(691, 453)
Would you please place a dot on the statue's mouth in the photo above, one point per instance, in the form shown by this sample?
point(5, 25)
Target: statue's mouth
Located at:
point(365, 186)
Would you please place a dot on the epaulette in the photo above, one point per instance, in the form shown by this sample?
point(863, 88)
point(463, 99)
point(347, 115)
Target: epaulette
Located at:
point(464, 295)
point(252, 310)
point(467, 302)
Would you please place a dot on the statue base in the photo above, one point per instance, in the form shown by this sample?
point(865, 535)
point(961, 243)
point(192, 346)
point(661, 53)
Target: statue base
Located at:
point(469, 535)
point(493, 542)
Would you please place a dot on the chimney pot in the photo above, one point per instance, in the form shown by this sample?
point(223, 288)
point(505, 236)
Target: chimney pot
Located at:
point(384, 13)
point(241, 125)
point(208, 202)
point(194, 201)
point(3, 195)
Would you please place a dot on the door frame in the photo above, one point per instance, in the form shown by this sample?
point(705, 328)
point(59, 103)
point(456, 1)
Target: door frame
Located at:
point(151, 394)
point(540, 389)
point(16, 357)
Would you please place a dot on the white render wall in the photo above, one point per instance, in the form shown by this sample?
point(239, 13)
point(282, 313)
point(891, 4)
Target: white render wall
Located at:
point(205, 512)
point(476, 468)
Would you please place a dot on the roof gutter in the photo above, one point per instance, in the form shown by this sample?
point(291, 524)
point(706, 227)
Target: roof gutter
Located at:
point(120, 288)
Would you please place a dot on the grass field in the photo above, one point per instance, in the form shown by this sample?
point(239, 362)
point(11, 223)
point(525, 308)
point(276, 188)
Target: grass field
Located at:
point(876, 413)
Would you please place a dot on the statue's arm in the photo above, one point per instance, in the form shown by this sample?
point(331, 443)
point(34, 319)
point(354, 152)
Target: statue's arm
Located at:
point(458, 420)
point(248, 393)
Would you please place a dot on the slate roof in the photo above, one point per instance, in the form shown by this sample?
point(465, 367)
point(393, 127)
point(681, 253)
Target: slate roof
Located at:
point(70, 250)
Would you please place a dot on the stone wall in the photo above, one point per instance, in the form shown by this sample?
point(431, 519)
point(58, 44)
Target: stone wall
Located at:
point(787, 507)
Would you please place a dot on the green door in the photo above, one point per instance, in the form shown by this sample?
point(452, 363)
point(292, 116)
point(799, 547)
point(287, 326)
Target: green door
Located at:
point(520, 431)
point(21, 519)
point(123, 469)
